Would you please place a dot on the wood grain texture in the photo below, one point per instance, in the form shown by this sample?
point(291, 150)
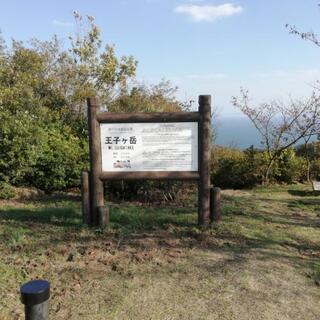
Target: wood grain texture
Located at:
point(204, 159)
point(103, 216)
point(96, 185)
point(215, 205)
point(150, 175)
point(85, 196)
point(109, 117)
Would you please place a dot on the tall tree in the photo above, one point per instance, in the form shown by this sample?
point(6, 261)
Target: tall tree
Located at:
point(86, 68)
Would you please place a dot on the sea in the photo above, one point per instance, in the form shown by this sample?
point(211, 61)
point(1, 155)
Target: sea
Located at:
point(236, 132)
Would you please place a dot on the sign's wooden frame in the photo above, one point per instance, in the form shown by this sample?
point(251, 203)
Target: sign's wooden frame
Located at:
point(94, 209)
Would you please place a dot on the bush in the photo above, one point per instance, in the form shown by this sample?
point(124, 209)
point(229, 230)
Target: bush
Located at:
point(33, 153)
point(20, 138)
point(6, 191)
point(289, 168)
point(230, 168)
point(61, 159)
point(315, 170)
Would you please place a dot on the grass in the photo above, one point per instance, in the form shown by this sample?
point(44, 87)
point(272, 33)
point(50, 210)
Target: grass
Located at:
point(261, 262)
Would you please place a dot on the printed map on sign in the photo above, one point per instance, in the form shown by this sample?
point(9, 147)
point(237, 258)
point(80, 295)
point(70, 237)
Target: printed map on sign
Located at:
point(149, 146)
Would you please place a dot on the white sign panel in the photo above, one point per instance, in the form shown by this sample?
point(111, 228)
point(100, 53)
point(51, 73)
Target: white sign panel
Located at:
point(149, 146)
point(316, 185)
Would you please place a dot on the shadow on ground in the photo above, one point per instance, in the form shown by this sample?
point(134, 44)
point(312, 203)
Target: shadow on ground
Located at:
point(246, 228)
point(65, 217)
point(304, 193)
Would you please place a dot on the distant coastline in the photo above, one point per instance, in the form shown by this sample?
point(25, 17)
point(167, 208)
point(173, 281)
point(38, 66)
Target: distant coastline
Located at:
point(239, 133)
point(236, 132)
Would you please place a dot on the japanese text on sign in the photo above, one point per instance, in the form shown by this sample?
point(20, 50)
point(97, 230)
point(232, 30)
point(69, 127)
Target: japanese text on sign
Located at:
point(149, 146)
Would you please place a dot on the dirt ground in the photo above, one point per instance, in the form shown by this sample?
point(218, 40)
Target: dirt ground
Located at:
point(261, 262)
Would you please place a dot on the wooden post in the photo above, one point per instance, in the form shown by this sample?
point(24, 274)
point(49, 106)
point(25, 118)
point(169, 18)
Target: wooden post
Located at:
point(204, 159)
point(103, 216)
point(96, 185)
point(215, 205)
point(85, 196)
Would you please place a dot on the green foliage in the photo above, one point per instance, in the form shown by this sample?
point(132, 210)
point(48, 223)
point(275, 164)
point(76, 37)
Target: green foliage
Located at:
point(289, 167)
point(43, 132)
point(34, 153)
point(141, 98)
point(43, 91)
point(20, 138)
point(228, 168)
point(315, 169)
point(311, 152)
point(232, 168)
point(60, 161)
point(6, 191)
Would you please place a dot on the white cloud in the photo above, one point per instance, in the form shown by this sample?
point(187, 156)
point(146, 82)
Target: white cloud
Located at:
point(63, 24)
point(208, 13)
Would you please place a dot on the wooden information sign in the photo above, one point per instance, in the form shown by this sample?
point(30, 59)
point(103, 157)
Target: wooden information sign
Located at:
point(157, 146)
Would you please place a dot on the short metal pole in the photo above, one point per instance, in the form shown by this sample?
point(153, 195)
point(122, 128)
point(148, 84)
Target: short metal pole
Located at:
point(35, 296)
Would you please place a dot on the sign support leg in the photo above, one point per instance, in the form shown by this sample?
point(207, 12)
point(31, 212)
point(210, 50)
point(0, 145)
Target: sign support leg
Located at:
point(85, 196)
point(204, 159)
point(96, 185)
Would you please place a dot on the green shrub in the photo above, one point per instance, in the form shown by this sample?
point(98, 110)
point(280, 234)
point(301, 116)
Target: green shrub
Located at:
point(315, 170)
point(20, 138)
point(6, 191)
point(60, 160)
point(231, 168)
point(289, 168)
point(33, 153)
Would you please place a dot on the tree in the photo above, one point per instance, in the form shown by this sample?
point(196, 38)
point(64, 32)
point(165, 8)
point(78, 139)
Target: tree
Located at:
point(143, 98)
point(43, 91)
point(86, 68)
point(281, 125)
point(313, 38)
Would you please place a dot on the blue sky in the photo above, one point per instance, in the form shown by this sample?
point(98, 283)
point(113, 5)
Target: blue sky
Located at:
point(204, 47)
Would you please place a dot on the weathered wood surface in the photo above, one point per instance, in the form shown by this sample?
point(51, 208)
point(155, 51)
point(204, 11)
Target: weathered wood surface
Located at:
point(96, 185)
point(103, 216)
point(150, 175)
point(204, 159)
point(215, 205)
point(98, 212)
point(109, 117)
point(85, 196)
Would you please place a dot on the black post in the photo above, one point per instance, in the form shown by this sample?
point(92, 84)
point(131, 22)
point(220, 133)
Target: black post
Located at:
point(35, 295)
